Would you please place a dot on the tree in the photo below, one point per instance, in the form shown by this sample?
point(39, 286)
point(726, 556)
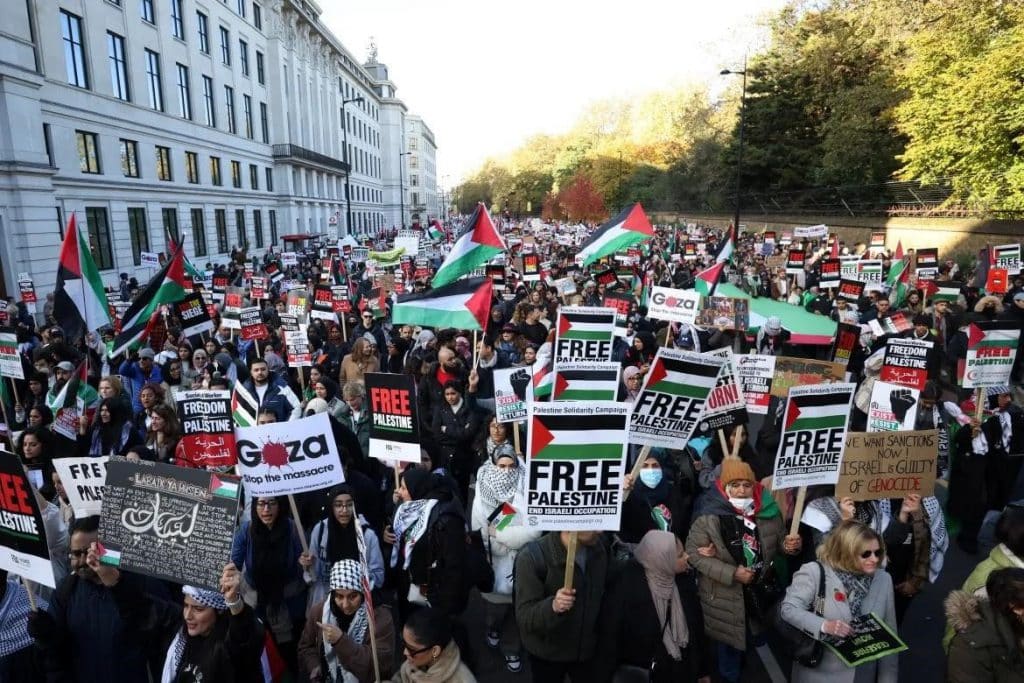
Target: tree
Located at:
point(581, 201)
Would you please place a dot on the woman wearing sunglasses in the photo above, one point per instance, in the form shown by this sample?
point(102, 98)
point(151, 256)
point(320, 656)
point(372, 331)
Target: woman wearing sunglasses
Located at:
point(430, 653)
point(855, 585)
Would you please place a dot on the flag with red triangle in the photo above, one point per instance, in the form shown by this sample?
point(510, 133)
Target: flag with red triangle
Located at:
point(628, 228)
point(463, 304)
point(478, 244)
point(79, 299)
point(167, 286)
point(706, 280)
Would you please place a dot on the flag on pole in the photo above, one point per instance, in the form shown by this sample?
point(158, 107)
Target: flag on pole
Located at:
point(478, 244)
point(543, 382)
point(726, 248)
point(79, 301)
point(76, 393)
point(166, 287)
point(244, 406)
point(463, 304)
point(706, 280)
point(630, 227)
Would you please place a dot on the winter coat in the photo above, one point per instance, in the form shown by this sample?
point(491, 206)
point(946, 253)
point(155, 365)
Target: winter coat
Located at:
point(242, 555)
point(1000, 557)
point(360, 427)
point(984, 648)
point(353, 370)
point(502, 549)
point(356, 658)
point(276, 399)
point(447, 669)
point(796, 609)
point(455, 432)
point(721, 596)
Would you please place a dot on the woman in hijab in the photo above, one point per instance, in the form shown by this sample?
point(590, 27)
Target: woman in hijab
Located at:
point(267, 549)
point(641, 353)
point(335, 644)
point(112, 433)
point(497, 435)
point(655, 503)
point(632, 380)
point(425, 348)
point(500, 486)
point(647, 625)
point(455, 425)
point(334, 539)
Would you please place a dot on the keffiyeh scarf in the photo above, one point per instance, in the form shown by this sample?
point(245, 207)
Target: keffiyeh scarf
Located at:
point(496, 486)
point(345, 575)
point(857, 587)
point(410, 524)
point(14, 611)
point(176, 650)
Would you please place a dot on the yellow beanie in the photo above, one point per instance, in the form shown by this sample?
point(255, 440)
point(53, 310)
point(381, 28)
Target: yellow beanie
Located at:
point(734, 469)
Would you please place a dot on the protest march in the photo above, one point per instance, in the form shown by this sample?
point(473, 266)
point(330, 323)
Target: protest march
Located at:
point(613, 452)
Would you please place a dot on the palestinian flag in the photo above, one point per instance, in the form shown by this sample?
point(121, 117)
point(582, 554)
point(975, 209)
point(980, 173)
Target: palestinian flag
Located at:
point(578, 437)
point(76, 393)
point(978, 338)
point(706, 281)
point(943, 291)
point(463, 304)
point(679, 377)
point(543, 382)
point(817, 411)
point(435, 232)
point(79, 301)
point(597, 383)
point(244, 406)
point(727, 247)
point(628, 228)
point(587, 324)
point(503, 516)
point(109, 556)
point(478, 244)
point(167, 286)
point(273, 271)
point(223, 487)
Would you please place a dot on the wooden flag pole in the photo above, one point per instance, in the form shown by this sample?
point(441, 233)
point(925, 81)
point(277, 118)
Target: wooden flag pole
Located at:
point(570, 560)
point(298, 522)
point(724, 442)
point(398, 475)
point(737, 438)
point(515, 438)
point(798, 511)
point(14, 388)
point(637, 466)
point(476, 351)
point(979, 409)
point(344, 327)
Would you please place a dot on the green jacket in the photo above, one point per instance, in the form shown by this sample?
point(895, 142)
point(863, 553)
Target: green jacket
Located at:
point(984, 649)
point(999, 558)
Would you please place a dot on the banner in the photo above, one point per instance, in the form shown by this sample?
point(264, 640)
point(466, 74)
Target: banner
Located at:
point(796, 372)
point(513, 393)
point(892, 407)
point(675, 305)
point(811, 232)
point(725, 405)
point(927, 263)
point(83, 480)
point(283, 458)
point(394, 417)
point(847, 338)
point(727, 312)
point(830, 273)
point(173, 523)
point(795, 262)
point(584, 333)
point(990, 355)
point(234, 299)
point(23, 548)
point(889, 465)
point(906, 362)
point(1007, 256)
point(590, 381)
point(813, 435)
point(10, 359)
point(672, 398)
point(253, 327)
point(871, 639)
point(208, 434)
point(755, 374)
point(577, 459)
point(195, 318)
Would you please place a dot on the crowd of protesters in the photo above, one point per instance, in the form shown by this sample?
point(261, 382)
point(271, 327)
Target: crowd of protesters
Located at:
point(684, 591)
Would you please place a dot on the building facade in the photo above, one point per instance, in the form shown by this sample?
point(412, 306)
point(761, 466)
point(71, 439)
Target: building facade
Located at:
point(421, 189)
point(223, 123)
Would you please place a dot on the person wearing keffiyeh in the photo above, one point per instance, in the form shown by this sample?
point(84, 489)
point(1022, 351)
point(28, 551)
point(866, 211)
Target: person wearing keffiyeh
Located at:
point(18, 658)
point(335, 645)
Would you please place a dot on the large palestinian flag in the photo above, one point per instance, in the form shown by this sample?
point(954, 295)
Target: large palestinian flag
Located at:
point(167, 286)
point(463, 304)
point(577, 437)
point(587, 382)
point(706, 281)
point(478, 244)
point(244, 406)
point(79, 300)
point(628, 228)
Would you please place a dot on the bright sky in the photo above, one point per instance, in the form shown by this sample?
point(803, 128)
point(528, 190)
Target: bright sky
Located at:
point(486, 75)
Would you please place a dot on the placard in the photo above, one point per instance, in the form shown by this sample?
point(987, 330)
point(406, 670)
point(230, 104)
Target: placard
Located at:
point(23, 548)
point(323, 304)
point(877, 240)
point(10, 359)
point(289, 258)
point(513, 393)
point(620, 303)
point(892, 407)
point(27, 289)
point(83, 480)
point(675, 305)
point(168, 522)
point(850, 290)
point(813, 434)
point(872, 639)
point(888, 465)
point(298, 304)
point(796, 372)
point(297, 349)
point(847, 338)
point(870, 273)
point(566, 286)
point(149, 259)
point(531, 268)
point(339, 299)
point(590, 381)
point(195, 318)
point(927, 263)
point(990, 355)
point(284, 458)
point(848, 267)
point(208, 431)
point(1007, 256)
point(253, 327)
point(725, 405)
point(220, 285)
point(756, 373)
point(672, 398)
point(795, 262)
point(811, 232)
point(258, 288)
point(577, 459)
point(830, 275)
point(897, 323)
point(584, 333)
point(906, 361)
point(723, 311)
point(394, 417)
point(234, 299)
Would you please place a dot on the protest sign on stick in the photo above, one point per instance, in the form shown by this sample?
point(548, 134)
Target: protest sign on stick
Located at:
point(23, 548)
point(83, 480)
point(10, 359)
point(813, 431)
point(208, 436)
point(991, 351)
point(590, 381)
point(797, 372)
point(584, 334)
point(888, 465)
point(513, 393)
point(725, 405)
point(756, 374)
point(674, 305)
point(284, 458)
point(672, 398)
point(394, 417)
point(195, 317)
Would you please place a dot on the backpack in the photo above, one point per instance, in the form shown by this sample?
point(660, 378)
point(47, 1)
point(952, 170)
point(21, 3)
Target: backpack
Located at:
point(479, 572)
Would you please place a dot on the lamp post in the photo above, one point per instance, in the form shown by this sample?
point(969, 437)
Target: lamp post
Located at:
point(739, 151)
point(401, 184)
point(344, 156)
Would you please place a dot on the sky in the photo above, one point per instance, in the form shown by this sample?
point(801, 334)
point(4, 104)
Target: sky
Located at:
point(487, 75)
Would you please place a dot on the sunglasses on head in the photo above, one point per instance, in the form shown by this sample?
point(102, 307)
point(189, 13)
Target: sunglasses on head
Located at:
point(868, 553)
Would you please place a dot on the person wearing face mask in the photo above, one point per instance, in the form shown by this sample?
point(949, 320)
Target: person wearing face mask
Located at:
point(741, 520)
point(655, 502)
point(855, 585)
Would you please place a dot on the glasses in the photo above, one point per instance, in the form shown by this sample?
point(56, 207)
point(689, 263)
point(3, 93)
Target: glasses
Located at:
point(868, 553)
point(344, 506)
point(410, 652)
point(78, 553)
point(266, 503)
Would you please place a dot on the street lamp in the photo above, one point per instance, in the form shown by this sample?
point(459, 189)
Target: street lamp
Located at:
point(401, 184)
point(348, 193)
point(739, 151)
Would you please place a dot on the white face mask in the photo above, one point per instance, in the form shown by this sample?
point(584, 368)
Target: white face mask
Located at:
point(744, 504)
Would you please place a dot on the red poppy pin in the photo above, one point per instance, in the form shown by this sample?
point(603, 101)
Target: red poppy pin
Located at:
point(839, 596)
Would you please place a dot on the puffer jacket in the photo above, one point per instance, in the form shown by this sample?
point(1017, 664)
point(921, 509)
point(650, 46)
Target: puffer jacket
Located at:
point(721, 595)
point(1000, 557)
point(984, 648)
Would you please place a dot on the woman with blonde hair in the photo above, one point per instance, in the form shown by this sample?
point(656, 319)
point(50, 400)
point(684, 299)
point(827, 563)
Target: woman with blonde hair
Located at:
point(855, 585)
point(362, 360)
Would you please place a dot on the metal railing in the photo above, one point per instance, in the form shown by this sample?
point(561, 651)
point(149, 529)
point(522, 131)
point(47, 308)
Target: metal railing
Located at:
point(289, 151)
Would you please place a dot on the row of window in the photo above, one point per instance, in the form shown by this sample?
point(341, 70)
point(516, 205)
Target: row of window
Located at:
point(89, 162)
point(101, 242)
point(147, 10)
point(363, 162)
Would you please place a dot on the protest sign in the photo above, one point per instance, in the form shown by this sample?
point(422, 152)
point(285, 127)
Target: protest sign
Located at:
point(590, 381)
point(847, 337)
point(584, 333)
point(394, 417)
point(409, 240)
point(172, 523)
point(725, 405)
point(871, 639)
point(830, 276)
point(906, 362)
point(621, 303)
point(10, 359)
point(848, 267)
point(927, 263)
point(496, 273)
point(219, 286)
point(149, 259)
point(297, 348)
point(1007, 256)
point(577, 458)
point(672, 398)
point(811, 232)
point(606, 277)
point(795, 262)
point(274, 273)
point(83, 480)
point(234, 299)
point(565, 286)
point(997, 281)
point(814, 428)
point(877, 241)
point(727, 312)
point(531, 268)
point(786, 238)
point(283, 458)
point(897, 323)
point(23, 548)
point(755, 374)
point(870, 273)
point(513, 393)
point(795, 372)
point(675, 305)
point(253, 327)
point(289, 258)
point(27, 289)
point(195, 318)
point(298, 304)
point(258, 288)
point(991, 350)
point(892, 407)
point(323, 304)
point(889, 465)
point(208, 435)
